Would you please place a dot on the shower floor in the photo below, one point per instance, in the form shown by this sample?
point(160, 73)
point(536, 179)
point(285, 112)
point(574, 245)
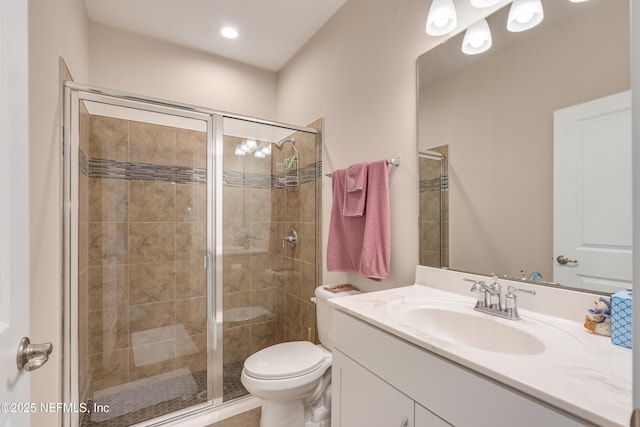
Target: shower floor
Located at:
point(168, 395)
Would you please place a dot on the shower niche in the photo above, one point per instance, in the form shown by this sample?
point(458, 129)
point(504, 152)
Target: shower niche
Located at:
point(174, 268)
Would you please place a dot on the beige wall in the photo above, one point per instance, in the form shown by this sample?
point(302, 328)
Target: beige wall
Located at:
point(358, 72)
point(497, 118)
point(137, 64)
point(56, 28)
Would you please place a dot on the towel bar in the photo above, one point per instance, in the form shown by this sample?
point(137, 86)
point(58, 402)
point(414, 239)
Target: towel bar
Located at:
point(393, 161)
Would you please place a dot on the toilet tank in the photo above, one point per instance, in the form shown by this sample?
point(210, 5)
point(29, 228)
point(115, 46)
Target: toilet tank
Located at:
point(324, 311)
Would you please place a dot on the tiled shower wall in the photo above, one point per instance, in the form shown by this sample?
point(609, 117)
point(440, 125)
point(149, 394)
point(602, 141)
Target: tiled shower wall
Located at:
point(249, 298)
point(296, 208)
point(268, 285)
point(433, 188)
point(143, 228)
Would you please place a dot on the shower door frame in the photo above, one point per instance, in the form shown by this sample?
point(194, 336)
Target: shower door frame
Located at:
point(73, 94)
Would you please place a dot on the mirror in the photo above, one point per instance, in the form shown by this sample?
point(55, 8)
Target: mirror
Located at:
point(494, 113)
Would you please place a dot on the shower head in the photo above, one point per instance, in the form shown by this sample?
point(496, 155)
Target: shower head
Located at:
point(280, 144)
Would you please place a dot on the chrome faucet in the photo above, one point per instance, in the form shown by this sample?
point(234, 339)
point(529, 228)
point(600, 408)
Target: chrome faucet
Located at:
point(511, 301)
point(495, 295)
point(480, 289)
point(488, 299)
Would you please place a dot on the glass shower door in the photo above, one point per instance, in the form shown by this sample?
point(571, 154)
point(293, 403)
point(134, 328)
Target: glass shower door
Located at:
point(139, 229)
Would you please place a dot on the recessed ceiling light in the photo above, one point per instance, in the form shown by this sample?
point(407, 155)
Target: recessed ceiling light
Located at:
point(228, 32)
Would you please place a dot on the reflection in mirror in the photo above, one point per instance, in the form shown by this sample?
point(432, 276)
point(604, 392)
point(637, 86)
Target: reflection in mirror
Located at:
point(434, 207)
point(495, 112)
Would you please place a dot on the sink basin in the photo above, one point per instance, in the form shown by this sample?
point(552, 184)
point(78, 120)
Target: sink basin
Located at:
point(473, 330)
point(455, 322)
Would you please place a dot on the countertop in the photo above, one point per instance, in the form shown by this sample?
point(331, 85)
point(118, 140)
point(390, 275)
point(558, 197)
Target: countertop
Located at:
point(580, 373)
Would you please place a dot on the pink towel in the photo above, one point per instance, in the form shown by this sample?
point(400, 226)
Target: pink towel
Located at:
point(355, 190)
point(376, 246)
point(344, 247)
point(363, 243)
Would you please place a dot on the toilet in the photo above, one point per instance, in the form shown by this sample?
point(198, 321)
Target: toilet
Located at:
point(294, 378)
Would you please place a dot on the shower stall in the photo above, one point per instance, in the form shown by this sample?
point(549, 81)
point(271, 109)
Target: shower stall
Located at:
point(179, 261)
point(434, 207)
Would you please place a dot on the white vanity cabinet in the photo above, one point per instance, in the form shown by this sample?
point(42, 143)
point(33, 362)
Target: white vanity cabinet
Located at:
point(425, 418)
point(380, 380)
point(365, 399)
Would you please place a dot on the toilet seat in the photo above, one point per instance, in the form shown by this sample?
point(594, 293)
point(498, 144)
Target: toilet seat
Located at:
point(285, 360)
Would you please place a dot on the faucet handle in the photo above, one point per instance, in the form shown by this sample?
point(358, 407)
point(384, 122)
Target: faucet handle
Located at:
point(512, 289)
point(511, 301)
point(479, 287)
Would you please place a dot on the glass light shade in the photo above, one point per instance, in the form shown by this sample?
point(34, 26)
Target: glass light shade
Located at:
point(259, 154)
point(239, 151)
point(484, 3)
point(251, 143)
point(477, 38)
point(266, 150)
point(442, 18)
point(524, 15)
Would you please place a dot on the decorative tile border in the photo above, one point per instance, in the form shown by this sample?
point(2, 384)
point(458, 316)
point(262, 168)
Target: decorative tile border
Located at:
point(112, 169)
point(239, 179)
point(83, 163)
point(434, 184)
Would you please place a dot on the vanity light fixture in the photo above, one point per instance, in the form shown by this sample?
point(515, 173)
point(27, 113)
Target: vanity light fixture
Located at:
point(442, 18)
point(266, 149)
point(228, 32)
point(484, 3)
point(477, 38)
point(263, 150)
point(524, 14)
point(251, 146)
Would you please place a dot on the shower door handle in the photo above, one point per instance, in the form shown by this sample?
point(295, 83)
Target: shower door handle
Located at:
point(32, 356)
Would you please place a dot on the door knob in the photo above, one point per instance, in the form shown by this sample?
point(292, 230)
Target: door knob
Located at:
point(564, 260)
point(32, 356)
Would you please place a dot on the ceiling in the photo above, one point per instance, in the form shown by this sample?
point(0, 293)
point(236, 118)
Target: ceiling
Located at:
point(271, 31)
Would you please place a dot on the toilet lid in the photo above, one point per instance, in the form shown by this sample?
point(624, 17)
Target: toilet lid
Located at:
point(286, 360)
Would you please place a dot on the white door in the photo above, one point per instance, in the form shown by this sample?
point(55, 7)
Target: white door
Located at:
point(592, 194)
point(14, 230)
